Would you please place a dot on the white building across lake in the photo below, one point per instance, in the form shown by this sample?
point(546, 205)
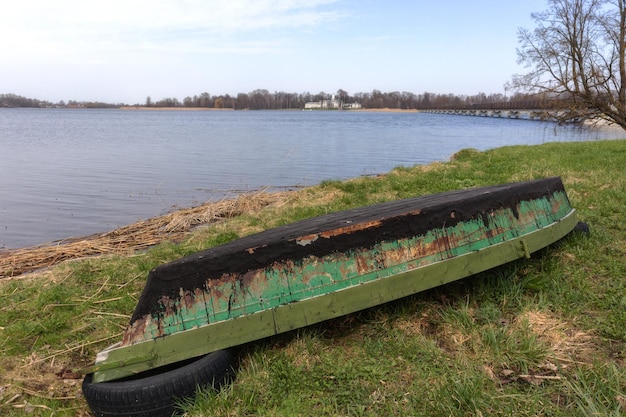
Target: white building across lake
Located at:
point(331, 104)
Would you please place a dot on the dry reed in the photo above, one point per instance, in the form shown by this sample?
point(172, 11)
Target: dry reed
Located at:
point(138, 236)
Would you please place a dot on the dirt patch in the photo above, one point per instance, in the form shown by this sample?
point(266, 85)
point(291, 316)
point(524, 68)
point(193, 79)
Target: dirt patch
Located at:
point(43, 379)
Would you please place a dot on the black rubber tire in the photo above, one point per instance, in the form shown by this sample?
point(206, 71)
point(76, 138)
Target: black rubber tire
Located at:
point(582, 228)
point(157, 394)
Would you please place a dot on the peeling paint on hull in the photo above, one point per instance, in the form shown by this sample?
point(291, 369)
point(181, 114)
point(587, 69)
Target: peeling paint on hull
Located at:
point(332, 265)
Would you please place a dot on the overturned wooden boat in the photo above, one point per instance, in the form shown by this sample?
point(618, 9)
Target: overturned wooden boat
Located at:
point(317, 269)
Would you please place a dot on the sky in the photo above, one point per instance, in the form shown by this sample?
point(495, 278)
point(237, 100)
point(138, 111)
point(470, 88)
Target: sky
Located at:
point(122, 51)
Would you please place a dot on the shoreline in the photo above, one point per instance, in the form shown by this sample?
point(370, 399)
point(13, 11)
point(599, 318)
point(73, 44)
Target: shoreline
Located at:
point(141, 235)
point(385, 110)
point(173, 108)
point(377, 110)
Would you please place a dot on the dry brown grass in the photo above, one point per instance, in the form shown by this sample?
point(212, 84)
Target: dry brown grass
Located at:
point(567, 343)
point(138, 236)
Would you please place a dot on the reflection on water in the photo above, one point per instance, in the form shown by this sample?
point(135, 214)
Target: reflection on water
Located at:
point(75, 172)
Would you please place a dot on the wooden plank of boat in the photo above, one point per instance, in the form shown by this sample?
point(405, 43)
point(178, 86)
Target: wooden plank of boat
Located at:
point(325, 267)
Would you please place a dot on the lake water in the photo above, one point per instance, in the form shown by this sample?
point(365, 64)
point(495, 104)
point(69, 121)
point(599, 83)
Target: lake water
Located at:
point(70, 173)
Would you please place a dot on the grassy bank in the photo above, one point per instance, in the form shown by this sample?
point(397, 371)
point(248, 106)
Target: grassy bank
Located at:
point(544, 336)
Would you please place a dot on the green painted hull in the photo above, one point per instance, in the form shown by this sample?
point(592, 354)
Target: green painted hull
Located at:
point(333, 265)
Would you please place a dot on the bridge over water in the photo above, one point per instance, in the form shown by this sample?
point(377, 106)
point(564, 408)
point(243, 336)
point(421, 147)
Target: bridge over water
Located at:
point(528, 114)
point(554, 110)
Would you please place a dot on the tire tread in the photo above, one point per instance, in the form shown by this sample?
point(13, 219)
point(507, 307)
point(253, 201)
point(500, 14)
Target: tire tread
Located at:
point(156, 395)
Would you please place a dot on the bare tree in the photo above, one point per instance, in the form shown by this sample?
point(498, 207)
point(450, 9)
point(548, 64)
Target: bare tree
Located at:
point(577, 56)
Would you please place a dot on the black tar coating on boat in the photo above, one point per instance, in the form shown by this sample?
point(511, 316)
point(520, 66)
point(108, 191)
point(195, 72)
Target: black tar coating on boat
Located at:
point(391, 221)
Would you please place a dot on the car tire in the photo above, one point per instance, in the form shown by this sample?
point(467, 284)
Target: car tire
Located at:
point(156, 393)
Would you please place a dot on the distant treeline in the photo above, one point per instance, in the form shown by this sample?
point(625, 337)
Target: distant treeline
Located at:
point(13, 100)
point(280, 100)
point(265, 100)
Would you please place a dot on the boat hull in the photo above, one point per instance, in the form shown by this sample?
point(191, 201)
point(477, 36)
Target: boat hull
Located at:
point(314, 270)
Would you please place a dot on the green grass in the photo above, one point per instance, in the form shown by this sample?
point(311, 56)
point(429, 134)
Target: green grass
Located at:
point(543, 336)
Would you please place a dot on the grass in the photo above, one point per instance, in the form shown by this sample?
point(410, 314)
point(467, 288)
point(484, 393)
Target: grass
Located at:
point(543, 336)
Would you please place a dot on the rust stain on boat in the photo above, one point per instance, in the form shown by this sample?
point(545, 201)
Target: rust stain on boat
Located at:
point(328, 234)
point(351, 250)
